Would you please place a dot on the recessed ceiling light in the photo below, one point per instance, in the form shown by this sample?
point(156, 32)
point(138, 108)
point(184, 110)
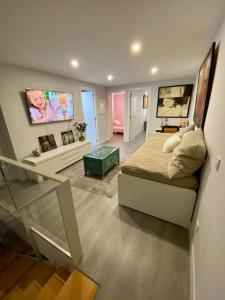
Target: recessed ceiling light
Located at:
point(110, 77)
point(154, 70)
point(75, 63)
point(136, 47)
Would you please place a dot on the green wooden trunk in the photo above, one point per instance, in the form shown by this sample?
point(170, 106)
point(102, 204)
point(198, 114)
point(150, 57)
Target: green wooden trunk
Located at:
point(99, 161)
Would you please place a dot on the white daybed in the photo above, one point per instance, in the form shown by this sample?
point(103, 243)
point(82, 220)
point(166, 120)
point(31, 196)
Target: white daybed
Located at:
point(143, 184)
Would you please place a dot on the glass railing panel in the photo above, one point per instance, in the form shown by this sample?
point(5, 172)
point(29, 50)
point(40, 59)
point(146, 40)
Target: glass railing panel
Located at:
point(26, 186)
point(44, 204)
point(12, 222)
point(45, 216)
point(6, 200)
point(37, 195)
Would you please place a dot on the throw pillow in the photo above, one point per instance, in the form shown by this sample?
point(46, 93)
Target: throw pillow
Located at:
point(187, 129)
point(171, 143)
point(188, 156)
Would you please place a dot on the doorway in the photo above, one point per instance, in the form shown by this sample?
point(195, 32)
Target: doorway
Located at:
point(89, 112)
point(118, 122)
point(139, 105)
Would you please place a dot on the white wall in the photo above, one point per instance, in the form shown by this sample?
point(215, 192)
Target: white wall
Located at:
point(208, 244)
point(152, 122)
point(140, 112)
point(24, 136)
point(6, 148)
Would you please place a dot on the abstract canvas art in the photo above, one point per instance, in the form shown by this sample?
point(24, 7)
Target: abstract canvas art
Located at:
point(174, 101)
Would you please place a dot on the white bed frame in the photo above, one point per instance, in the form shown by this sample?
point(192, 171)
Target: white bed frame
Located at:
point(167, 202)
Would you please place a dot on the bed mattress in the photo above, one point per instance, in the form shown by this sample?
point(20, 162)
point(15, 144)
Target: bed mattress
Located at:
point(149, 162)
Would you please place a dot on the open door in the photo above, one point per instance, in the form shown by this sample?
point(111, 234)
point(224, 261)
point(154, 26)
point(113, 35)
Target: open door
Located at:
point(88, 103)
point(138, 111)
point(133, 115)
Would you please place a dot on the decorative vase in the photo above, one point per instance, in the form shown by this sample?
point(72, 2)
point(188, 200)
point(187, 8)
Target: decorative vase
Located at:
point(81, 137)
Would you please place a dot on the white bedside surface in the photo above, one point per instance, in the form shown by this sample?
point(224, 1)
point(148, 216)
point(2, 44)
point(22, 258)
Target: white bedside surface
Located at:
point(55, 152)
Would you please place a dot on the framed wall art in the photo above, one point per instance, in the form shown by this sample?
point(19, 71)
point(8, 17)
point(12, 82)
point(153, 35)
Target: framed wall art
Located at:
point(67, 137)
point(205, 80)
point(101, 106)
point(174, 101)
point(47, 142)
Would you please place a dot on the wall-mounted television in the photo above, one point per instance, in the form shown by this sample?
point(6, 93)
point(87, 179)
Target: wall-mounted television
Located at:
point(49, 106)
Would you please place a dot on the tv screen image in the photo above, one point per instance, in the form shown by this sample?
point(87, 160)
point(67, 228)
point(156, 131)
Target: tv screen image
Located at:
point(49, 106)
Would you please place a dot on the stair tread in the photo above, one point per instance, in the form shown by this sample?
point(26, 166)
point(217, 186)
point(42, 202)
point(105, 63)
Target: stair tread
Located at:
point(13, 274)
point(15, 294)
point(51, 288)
point(6, 259)
point(40, 272)
point(63, 273)
point(31, 291)
point(79, 287)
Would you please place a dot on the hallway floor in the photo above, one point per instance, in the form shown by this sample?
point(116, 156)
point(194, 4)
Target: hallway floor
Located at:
point(131, 255)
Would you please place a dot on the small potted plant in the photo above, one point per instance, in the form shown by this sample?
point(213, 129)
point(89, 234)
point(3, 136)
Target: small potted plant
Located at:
point(81, 128)
point(36, 152)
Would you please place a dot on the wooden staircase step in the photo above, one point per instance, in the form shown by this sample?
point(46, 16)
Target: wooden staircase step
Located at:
point(40, 272)
point(31, 291)
point(79, 287)
point(6, 259)
point(63, 273)
point(51, 288)
point(13, 274)
point(15, 294)
point(28, 294)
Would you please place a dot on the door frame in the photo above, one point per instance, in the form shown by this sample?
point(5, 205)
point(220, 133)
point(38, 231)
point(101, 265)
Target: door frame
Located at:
point(88, 89)
point(149, 89)
point(110, 111)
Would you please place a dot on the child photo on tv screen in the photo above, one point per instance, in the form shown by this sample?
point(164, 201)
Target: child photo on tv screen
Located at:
point(49, 106)
point(41, 110)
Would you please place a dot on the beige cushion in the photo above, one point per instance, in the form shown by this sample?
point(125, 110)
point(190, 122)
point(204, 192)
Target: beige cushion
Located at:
point(150, 163)
point(187, 129)
point(171, 143)
point(188, 156)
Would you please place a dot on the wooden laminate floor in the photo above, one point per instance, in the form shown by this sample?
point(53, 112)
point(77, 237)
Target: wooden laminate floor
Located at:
point(132, 256)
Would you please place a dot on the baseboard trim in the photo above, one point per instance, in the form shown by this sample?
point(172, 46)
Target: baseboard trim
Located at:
point(192, 272)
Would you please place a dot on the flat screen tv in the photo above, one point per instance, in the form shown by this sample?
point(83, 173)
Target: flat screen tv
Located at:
point(49, 106)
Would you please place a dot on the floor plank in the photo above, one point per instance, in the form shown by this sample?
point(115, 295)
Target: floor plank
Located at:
point(131, 255)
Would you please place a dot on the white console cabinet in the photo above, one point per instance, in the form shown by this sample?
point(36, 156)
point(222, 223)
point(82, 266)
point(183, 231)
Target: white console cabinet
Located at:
point(61, 157)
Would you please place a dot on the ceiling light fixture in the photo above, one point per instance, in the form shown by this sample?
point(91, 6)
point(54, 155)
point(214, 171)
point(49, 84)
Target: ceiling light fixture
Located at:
point(154, 70)
point(75, 63)
point(110, 77)
point(136, 48)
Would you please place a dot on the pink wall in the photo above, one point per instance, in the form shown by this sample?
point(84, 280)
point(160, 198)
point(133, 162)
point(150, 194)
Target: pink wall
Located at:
point(118, 107)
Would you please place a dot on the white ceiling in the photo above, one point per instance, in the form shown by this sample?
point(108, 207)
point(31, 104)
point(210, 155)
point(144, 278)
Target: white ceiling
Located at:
point(47, 34)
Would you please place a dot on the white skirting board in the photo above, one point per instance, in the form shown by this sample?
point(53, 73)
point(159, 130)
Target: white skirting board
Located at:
point(192, 271)
point(167, 202)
